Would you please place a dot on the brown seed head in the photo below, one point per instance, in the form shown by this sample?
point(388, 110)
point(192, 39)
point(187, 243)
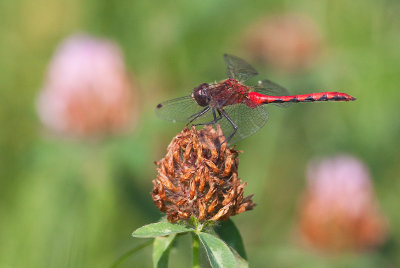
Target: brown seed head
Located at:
point(198, 177)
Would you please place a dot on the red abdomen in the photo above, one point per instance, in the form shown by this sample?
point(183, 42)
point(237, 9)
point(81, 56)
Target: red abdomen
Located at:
point(259, 99)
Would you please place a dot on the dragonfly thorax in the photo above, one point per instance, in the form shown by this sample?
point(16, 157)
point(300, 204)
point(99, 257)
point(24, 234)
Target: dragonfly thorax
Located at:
point(201, 94)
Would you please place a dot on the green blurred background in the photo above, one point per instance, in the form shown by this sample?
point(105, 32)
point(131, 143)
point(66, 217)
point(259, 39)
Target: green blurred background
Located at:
point(69, 203)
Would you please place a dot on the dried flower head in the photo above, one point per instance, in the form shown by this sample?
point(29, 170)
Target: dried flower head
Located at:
point(88, 91)
point(339, 210)
point(198, 177)
point(289, 42)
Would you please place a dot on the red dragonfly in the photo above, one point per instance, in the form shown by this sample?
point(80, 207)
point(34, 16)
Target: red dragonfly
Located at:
point(236, 106)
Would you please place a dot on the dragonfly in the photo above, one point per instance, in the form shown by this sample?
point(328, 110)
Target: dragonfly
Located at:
point(236, 104)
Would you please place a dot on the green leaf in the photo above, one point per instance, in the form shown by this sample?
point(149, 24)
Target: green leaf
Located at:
point(161, 248)
point(219, 254)
point(228, 232)
point(241, 263)
point(204, 262)
point(160, 229)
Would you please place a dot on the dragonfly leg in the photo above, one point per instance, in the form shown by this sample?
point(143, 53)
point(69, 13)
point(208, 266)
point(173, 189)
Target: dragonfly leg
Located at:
point(197, 115)
point(216, 119)
point(235, 128)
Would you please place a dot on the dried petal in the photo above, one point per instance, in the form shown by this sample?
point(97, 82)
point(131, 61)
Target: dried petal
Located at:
point(210, 192)
point(212, 165)
point(221, 212)
point(228, 166)
point(202, 209)
point(192, 189)
point(211, 207)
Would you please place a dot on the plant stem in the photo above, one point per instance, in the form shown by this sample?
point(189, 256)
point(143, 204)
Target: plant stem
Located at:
point(196, 251)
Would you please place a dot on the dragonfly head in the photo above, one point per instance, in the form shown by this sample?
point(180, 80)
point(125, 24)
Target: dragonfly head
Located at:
point(201, 94)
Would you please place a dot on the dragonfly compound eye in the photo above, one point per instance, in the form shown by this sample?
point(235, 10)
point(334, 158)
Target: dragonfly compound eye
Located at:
point(201, 94)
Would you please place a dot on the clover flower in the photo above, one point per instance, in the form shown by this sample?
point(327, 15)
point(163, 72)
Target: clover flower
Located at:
point(339, 210)
point(289, 42)
point(198, 177)
point(87, 91)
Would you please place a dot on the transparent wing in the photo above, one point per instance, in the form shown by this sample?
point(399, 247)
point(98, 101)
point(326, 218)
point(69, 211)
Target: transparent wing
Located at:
point(268, 87)
point(238, 68)
point(178, 110)
point(248, 121)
